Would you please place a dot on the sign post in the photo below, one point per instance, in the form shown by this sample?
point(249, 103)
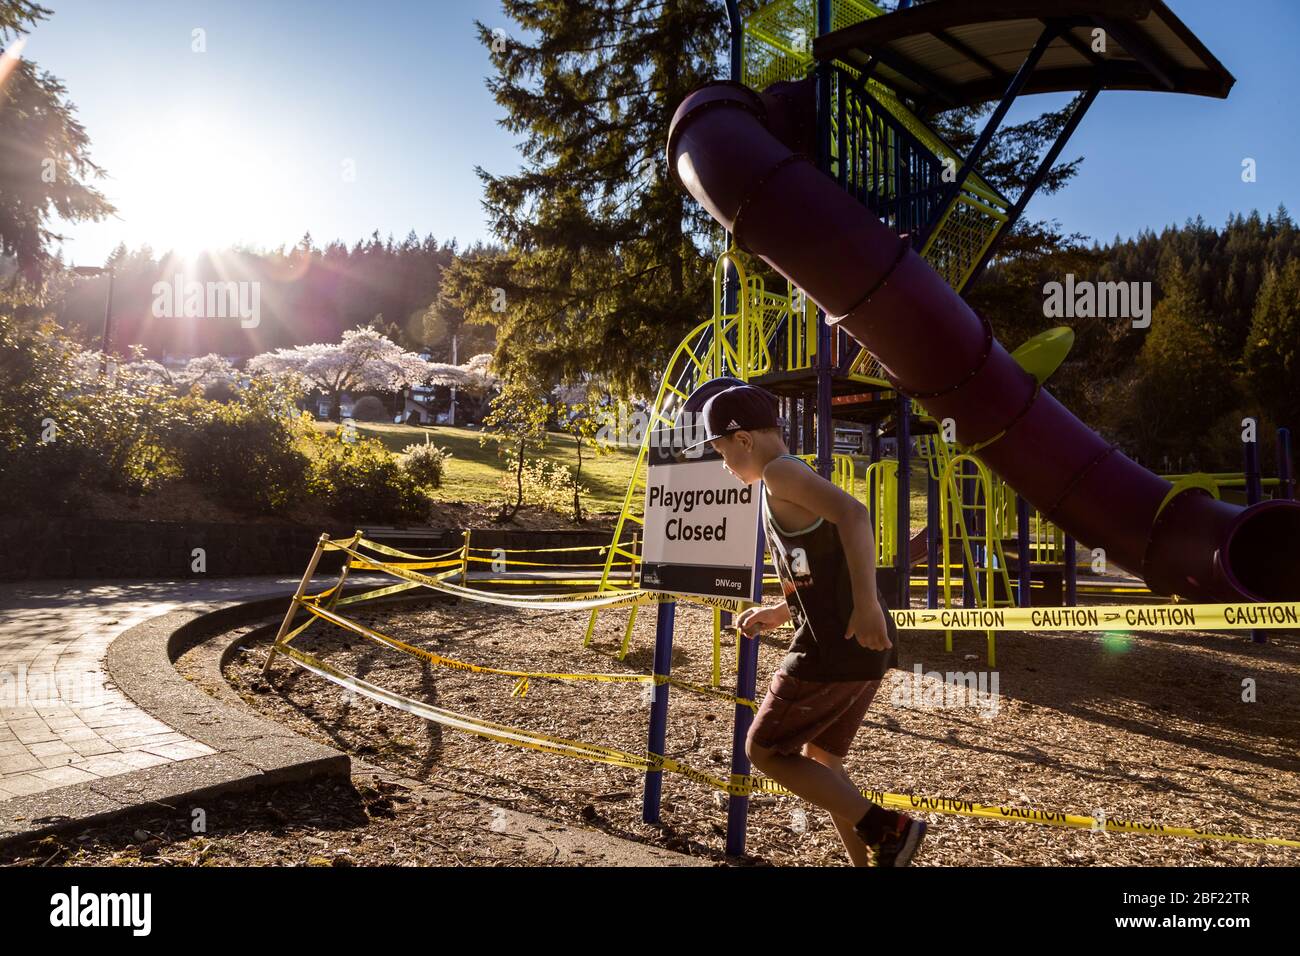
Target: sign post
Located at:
point(703, 538)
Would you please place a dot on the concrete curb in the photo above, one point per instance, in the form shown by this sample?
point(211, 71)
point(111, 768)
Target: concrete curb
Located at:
point(252, 752)
point(255, 752)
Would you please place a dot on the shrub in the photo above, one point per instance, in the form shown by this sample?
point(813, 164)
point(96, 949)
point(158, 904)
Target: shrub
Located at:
point(425, 463)
point(34, 369)
point(124, 430)
point(550, 486)
point(364, 481)
point(370, 409)
point(247, 451)
point(41, 474)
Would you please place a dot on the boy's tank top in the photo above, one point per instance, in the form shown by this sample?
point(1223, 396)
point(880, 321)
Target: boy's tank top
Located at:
point(819, 591)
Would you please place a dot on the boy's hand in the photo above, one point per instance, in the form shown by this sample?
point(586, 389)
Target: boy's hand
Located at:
point(755, 620)
point(868, 626)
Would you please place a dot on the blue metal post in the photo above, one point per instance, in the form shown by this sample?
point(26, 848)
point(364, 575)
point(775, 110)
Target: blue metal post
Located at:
point(825, 425)
point(746, 681)
point(659, 708)
point(933, 533)
point(951, 192)
point(737, 37)
point(1285, 469)
point(806, 446)
point(902, 559)
point(875, 457)
point(732, 287)
point(746, 678)
point(1254, 487)
point(1025, 578)
point(1254, 492)
point(825, 438)
point(1071, 574)
point(1044, 167)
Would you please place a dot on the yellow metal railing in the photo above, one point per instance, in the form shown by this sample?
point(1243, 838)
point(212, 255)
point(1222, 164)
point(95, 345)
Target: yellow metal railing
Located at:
point(778, 37)
point(882, 491)
point(778, 46)
point(734, 343)
point(953, 515)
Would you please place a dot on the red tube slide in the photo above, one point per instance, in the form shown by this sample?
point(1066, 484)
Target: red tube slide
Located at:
point(745, 157)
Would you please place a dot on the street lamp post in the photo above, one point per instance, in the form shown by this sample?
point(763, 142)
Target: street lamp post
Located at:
point(451, 418)
point(107, 338)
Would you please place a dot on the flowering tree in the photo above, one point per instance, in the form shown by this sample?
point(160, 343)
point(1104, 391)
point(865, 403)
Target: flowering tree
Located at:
point(517, 423)
point(206, 370)
point(364, 359)
point(579, 411)
point(477, 384)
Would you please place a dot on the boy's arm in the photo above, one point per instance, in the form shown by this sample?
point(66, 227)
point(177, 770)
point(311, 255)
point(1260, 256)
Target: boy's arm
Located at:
point(769, 615)
point(797, 483)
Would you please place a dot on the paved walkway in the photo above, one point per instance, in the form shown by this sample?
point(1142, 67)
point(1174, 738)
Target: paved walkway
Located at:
point(61, 720)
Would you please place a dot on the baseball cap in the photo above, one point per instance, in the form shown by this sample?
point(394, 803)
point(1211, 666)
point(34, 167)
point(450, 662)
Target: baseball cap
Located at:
point(696, 401)
point(739, 407)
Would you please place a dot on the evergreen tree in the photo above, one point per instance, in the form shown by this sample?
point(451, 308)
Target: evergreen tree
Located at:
point(602, 271)
point(1272, 356)
point(1183, 383)
point(44, 162)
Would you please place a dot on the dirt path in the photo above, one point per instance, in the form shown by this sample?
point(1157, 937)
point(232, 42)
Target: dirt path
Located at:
point(1150, 727)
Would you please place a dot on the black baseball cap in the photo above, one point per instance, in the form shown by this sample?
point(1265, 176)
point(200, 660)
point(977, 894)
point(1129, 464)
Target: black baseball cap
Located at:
point(737, 408)
point(696, 401)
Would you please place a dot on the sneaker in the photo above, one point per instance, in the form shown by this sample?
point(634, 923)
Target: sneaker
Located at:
point(898, 848)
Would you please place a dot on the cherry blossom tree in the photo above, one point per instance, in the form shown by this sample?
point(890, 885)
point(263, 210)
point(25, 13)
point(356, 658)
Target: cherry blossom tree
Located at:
point(206, 370)
point(365, 359)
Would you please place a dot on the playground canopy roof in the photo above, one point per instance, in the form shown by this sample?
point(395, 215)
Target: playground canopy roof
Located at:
point(951, 53)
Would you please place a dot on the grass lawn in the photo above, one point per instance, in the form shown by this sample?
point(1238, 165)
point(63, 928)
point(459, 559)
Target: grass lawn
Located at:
point(473, 472)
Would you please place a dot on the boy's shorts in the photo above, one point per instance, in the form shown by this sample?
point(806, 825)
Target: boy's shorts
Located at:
point(796, 712)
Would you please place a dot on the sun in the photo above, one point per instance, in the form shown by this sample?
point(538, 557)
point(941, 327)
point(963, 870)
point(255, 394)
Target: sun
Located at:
point(199, 184)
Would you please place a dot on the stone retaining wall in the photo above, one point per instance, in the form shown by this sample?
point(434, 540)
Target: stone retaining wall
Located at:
point(33, 548)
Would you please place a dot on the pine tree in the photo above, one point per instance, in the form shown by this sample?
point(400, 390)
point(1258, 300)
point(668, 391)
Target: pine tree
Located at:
point(1272, 356)
point(603, 270)
point(1184, 383)
point(44, 162)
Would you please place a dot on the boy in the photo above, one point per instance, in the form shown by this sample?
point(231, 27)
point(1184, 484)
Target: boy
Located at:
point(821, 543)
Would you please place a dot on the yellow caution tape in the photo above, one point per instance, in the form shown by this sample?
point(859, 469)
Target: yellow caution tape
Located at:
point(416, 565)
point(439, 660)
point(554, 582)
point(483, 728)
point(609, 597)
point(323, 594)
point(343, 544)
point(746, 784)
point(968, 808)
point(602, 548)
point(545, 564)
point(377, 593)
point(1118, 617)
point(559, 602)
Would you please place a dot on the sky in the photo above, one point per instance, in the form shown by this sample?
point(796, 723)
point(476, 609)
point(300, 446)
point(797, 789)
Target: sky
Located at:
point(342, 118)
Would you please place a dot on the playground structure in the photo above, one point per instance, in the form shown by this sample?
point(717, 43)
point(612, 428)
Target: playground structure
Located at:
point(1014, 480)
point(833, 180)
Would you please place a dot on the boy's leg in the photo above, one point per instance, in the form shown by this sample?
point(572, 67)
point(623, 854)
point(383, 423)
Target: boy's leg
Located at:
point(853, 845)
point(833, 791)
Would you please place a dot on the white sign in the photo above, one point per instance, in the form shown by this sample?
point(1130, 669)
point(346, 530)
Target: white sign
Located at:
point(701, 531)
